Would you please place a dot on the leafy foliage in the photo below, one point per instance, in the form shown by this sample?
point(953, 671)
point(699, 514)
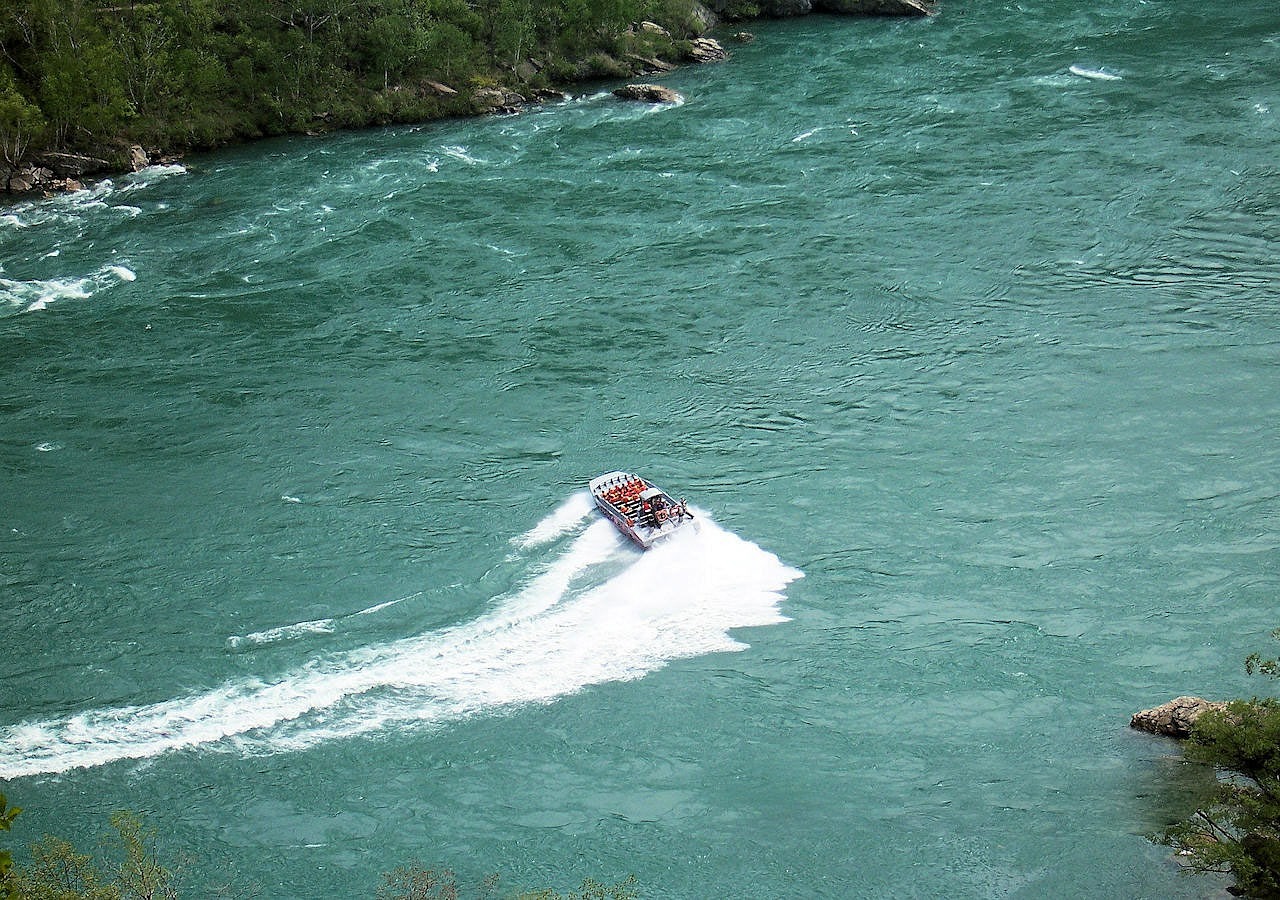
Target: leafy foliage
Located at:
point(1238, 833)
point(8, 889)
point(95, 77)
point(130, 870)
point(418, 883)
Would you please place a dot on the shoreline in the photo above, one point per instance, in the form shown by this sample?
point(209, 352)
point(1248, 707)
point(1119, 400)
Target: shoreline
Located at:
point(49, 172)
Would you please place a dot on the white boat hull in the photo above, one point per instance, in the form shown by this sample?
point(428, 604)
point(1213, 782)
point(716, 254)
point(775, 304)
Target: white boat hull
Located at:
point(639, 509)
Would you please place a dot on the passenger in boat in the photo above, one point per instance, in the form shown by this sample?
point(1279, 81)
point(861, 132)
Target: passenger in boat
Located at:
point(659, 509)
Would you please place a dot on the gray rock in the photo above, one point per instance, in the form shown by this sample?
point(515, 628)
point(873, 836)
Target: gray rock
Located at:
point(648, 93)
point(648, 65)
point(704, 50)
point(1175, 718)
point(72, 165)
point(498, 100)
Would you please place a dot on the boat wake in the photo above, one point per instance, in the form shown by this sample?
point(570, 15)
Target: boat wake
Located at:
point(1094, 74)
point(590, 610)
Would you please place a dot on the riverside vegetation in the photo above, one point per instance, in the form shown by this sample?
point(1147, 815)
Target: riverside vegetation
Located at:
point(81, 81)
point(129, 868)
point(1237, 833)
point(94, 78)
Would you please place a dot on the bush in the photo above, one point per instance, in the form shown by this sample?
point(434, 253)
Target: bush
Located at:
point(1238, 832)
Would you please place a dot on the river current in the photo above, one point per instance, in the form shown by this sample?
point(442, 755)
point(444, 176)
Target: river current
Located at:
point(959, 334)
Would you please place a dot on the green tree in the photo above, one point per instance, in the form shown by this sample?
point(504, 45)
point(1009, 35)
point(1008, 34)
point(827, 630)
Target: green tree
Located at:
point(8, 889)
point(130, 869)
point(1238, 833)
point(21, 122)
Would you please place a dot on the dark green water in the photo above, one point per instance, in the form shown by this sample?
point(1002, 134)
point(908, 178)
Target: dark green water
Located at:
point(971, 321)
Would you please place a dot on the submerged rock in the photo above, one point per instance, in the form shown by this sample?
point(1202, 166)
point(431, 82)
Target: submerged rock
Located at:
point(648, 93)
point(1175, 718)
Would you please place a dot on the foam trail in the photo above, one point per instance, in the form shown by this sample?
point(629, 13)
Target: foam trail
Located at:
point(379, 607)
point(1094, 74)
point(597, 612)
point(301, 629)
point(562, 520)
point(149, 175)
point(282, 633)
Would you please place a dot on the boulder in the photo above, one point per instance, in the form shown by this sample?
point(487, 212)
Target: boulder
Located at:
point(704, 50)
point(744, 37)
point(703, 18)
point(72, 165)
point(654, 28)
point(648, 93)
point(549, 95)
point(648, 65)
point(138, 158)
point(1175, 718)
point(20, 182)
point(498, 100)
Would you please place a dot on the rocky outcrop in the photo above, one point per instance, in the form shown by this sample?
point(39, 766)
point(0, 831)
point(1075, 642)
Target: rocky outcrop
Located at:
point(1175, 718)
point(498, 100)
point(36, 179)
point(74, 165)
point(648, 65)
point(648, 93)
point(53, 172)
point(705, 50)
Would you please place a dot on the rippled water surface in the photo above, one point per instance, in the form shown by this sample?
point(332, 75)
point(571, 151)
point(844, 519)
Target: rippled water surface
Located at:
point(960, 334)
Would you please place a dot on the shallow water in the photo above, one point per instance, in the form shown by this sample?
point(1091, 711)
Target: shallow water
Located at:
point(959, 334)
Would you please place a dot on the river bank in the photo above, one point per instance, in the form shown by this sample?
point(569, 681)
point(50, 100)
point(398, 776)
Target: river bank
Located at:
point(46, 153)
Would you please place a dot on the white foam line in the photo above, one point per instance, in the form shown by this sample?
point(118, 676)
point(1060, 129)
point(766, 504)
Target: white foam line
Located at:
point(32, 296)
point(379, 607)
point(282, 633)
point(1094, 74)
point(567, 516)
point(599, 611)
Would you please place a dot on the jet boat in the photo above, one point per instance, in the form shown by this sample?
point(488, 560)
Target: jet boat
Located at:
point(640, 509)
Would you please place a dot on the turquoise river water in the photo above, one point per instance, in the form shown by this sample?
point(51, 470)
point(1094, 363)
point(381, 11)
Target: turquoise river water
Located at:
point(961, 335)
